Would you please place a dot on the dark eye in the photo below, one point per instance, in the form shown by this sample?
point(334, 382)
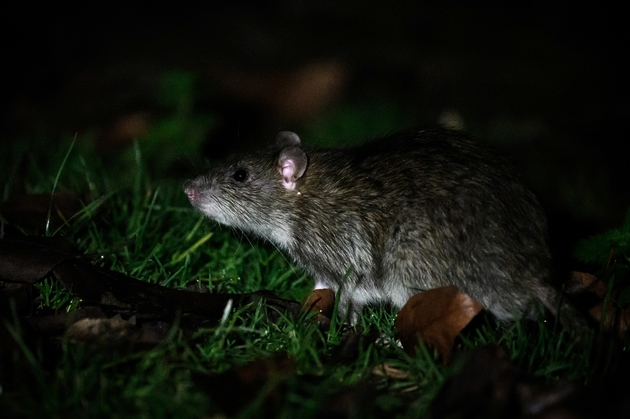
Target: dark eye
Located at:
point(240, 175)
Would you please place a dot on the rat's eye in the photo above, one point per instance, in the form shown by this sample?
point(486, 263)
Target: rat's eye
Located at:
point(240, 175)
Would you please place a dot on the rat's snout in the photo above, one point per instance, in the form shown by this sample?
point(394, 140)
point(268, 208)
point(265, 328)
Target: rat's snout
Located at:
point(191, 193)
point(191, 190)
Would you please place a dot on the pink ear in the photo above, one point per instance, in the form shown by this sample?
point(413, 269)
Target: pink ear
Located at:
point(292, 163)
point(288, 171)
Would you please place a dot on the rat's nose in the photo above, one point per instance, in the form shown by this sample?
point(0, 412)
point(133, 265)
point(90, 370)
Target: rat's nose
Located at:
point(191, 193)
point(190, 190)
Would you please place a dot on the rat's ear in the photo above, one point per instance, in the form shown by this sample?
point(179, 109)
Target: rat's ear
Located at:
point(292, 164)
point(287, 139)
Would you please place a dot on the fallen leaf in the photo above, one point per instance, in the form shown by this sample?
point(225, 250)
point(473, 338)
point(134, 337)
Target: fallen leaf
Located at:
point(123, 131)
point(589, 282)
point(320, 301)
point(292, 95)
point(616, 319)
point(30, 259)
point(436, 315)
point(612, 317)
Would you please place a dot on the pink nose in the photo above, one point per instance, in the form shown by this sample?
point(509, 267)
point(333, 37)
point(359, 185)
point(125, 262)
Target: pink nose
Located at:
point(191, 193)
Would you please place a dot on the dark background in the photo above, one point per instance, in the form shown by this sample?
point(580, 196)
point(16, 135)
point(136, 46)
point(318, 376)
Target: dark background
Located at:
point(541, 80)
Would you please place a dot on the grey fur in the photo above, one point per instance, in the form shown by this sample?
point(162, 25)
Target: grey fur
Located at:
point(413, 211)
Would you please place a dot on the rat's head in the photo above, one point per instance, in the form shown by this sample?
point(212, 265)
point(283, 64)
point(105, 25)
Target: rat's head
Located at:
point(252, 192)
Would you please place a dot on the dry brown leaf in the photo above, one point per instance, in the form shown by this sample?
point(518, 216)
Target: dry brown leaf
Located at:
point(29, 259)
point(320, 301)
point(616, 320)
point(124, 130)
point(436, 315)
point(590, 283)
point(292, 95)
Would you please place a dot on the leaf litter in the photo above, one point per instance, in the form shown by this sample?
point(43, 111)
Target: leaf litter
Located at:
point(118, 311)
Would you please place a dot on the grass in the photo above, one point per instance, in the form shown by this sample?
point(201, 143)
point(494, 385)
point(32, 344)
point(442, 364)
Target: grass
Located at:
point(140, 223)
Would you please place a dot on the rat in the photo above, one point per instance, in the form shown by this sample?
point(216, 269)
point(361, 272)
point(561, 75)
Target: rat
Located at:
point(383, 221)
